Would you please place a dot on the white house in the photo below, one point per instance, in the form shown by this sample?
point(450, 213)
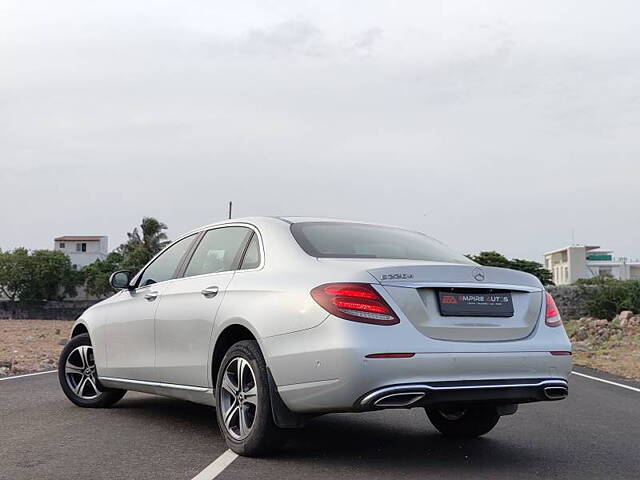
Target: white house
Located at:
point(82, 249)
point(569, 264)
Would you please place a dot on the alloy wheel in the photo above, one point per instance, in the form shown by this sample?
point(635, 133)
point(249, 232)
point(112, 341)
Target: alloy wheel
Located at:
point(80, 373)
point(238, 398)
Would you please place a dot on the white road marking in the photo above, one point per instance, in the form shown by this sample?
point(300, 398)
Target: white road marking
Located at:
point(634, 389)
point(216, 467)
point(27, 375)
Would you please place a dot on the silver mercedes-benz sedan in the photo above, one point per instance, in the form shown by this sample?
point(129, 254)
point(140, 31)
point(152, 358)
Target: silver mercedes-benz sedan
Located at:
point(275, 320)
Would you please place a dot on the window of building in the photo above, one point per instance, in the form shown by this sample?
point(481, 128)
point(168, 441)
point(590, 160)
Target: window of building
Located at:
point(61, 244)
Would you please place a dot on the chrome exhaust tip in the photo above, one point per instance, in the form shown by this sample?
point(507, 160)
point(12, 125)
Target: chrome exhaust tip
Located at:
point(556, 392)
point(403, 399)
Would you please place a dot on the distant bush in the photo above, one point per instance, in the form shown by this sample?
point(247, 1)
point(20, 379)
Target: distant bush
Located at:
point(606, 297)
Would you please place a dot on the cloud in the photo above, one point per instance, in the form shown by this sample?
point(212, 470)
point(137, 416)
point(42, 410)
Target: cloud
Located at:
point(523, 114)
point(365, 41)
point(292, 37)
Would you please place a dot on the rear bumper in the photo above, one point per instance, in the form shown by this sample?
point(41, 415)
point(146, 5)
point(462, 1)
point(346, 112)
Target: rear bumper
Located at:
point(439, 393)
point(509, 377)
point(326, 369)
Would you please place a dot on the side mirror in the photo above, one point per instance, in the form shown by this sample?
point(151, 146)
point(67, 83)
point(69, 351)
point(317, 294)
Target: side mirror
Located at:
point(120, 279)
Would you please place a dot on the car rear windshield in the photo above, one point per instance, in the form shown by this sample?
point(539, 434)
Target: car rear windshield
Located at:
point(356, 240)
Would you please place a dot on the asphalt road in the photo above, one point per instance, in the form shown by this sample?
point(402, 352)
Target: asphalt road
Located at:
point(594, 434)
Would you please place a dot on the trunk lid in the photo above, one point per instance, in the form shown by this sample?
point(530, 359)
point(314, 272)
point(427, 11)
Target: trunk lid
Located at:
point(414, 288)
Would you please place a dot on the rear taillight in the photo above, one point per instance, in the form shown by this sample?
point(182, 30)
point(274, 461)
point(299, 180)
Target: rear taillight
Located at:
point(358, 302)
point(552, 315)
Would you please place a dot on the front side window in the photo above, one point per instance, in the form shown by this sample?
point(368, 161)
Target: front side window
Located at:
point(164, 267)
point(218, 251)
point(355, 240)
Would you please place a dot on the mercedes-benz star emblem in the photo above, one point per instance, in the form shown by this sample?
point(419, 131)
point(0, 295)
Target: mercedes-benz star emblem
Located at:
point(478, 274)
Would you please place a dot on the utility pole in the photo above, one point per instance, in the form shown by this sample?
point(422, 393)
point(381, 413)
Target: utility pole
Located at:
point(230, 207)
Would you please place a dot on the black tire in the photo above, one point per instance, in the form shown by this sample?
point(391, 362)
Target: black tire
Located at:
point(471, 421)
point(263, 435)
point(92, 394)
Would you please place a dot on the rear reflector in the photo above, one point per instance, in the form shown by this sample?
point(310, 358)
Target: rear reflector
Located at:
point(390, 355)
point(358, 302)
point(552, 315)
point(560, 352)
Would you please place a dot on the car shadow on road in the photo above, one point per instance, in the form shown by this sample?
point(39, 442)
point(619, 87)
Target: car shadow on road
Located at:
point(402, 442)
point(168, 410)
point(391, 441)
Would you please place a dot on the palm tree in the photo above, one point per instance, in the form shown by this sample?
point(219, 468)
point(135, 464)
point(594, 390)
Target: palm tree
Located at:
point(153, 238)
point(140, 249)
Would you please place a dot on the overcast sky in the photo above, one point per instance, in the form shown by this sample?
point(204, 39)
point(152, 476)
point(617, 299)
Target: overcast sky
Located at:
point(488, 124)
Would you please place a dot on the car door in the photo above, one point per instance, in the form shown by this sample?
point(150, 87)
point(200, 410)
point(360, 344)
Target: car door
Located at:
point(130, 328)
point(185, 316)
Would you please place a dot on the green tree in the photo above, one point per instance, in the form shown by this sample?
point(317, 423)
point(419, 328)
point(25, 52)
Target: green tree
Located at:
point(52, 277)
point(141, 247)
point(491, 259)
point(14, 272)
point(97, 274)
point(534, 268)
point(495, 259)
point(38, 275)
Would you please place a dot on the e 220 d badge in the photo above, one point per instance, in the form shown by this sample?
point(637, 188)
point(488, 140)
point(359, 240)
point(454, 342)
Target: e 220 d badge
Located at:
point(397, 276)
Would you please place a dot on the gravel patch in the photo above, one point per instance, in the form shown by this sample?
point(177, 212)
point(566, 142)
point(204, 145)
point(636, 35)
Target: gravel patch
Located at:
point(28, 346)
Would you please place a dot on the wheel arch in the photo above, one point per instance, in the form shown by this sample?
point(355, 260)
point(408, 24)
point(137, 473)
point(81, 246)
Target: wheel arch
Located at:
point(236, 332)
point(231, 334)
point(78, 329)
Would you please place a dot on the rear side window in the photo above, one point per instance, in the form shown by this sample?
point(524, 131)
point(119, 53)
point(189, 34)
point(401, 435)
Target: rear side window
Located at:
point(355, 240)
point(218, 251)
point(252, 255)
point(164, 267)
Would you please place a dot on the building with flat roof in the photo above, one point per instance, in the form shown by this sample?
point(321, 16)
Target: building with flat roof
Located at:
point(572, 263)
point(82, 249)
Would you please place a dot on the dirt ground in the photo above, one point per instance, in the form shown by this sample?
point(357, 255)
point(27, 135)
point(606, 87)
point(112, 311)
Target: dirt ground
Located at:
point(623, 361)
point(606, 345)
point(31, 345)
point(34, 345)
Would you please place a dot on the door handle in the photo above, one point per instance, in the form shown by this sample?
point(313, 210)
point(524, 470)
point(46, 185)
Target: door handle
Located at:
point(209, 292)
point(151, 296)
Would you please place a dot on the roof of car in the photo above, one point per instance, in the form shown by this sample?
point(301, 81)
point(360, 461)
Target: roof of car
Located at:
point(287, 219)
point(300, 219)
point(259, 221)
